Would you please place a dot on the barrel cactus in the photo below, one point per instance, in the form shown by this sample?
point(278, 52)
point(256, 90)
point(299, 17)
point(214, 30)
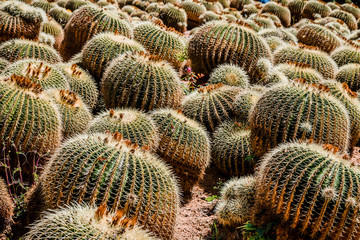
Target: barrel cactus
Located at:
point(229, 74)
point(73, 5)
point(318, 36)
point(45, 5)
point(206, 52)
point(184, 144)
point(231, 152)
point(19, 20)
point(310, 190)
point(351, 8)
point(47, 75)
point(125, 83)
point(112, 171)
point(295, 70)
point(237, 201)
point(6, 209)
point(346, 17)
point(14, 50)
point(278, 32)
point(308, 55)
point(88, 21)
point(345, 55)
point(174, 17)
point(282, 12)
point(132, 124)
point(211, 105)
point(54, 29)
point(61, 15)
point(239, 4)
point(193, 12)
point(104, 47)
point(297, 111)
point(316, 9)
point(296, 8)
point(81, 82)
point(244, 102)
point(84, 222)
point(350, 74)
point(274, 43)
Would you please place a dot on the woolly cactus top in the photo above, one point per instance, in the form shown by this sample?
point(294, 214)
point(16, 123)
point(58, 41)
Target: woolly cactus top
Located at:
point(23, 10)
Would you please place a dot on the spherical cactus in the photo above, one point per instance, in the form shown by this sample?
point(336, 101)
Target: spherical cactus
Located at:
point(348, 18)
point(351, 8)
point(296, 8)
point(81, 82)
point(277, 32)
point(154, 7)
point(73, 5)
point(345, 55)
point(84, 222)
point(132, 124)
point(75, 115)
point(193, 12)
point(14, 50)
point(45, 5)
point(47, 75)
point(112, 171)
point(350, 74)
point(282, 12)
point(243, 103)
point(61, 15)
point(6, 209)
point(211, 105)
point(249, 10)
point(104, 47)
point(307, 55)
point(297, 111)
point(237, 201)
point(262, 70)
point(88, 21)
point(310, 190)
point(315, 9)
point(229, 74)
point(209, 16)
point(214, 7)
point(318, 36)
point(3, 64)
point(53, 28)
point(299, 71)
point(206, 52)
point(141, 82)
point(174, 17)
point(19, 20)
point(184, 144)
point(239, 4)
point(231, 151)
point(274, 43)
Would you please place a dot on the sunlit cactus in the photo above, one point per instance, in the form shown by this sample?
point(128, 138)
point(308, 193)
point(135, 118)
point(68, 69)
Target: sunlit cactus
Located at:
point(84, 222)
point(249, 9)
point(274, 43)
point(61, 15)
point(45, 5)
point(280, 11)
point(215, 7)
point(315, 9)
point(174, 16)
point(296, 8)
point(113, 172)
point(193, 12)
point(262, 70)
point(88, 21)
point(160, 87)
point(348, 18)
point(211, 105)
point(350, 74)
point(46, 39)
point(54, 29)
point(219, 42)
point(310, 190)
point(237, 201)
point(104, 47)
point(244, 102)
point(333, 5)
point(295, 70)
point(134, 125)
point(345, 55)
point(6, 209)
point(19, 20)
point(229, 74)
point(184, 144)
point(298, 111)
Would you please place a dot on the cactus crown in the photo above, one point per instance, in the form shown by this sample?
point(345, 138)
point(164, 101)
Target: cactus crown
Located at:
point(25, 11)
point(24, 83)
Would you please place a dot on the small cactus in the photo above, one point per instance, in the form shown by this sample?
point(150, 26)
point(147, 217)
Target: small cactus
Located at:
point(296, 8)
point(61, 15)
point(239, 4)
point(345, 55)
point(73, 5)
point(315, 9)
point(229, 74)
point(174, 17)
point(193, 11)
point(184, 144)
point(350, 74)
point(45, 5)
point(231, 152)
point(280, 11)
point(141, 82)
point(348, 18)
point(294, 70)
point(244, 102)
point(54, 29)
point(274, 43)
point(132, 124)
point(6, 209)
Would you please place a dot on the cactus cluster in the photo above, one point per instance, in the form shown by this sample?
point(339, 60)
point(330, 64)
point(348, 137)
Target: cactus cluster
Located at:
point(283, 13)
point(229, 74)
point(174, 17)
point(346, 17)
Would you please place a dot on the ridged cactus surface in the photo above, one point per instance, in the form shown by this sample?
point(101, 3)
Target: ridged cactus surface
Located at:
point(61, 15)
point(345, 55)
point(294, 71)
point(229, 74)
point(3, 64)
point(54, 29)
point(346, 17)
point(350, 74)
point(315, 9)
point(193, 12)
point(296, 8)
point(174, 17)
point(244, 102)
point(280, 11)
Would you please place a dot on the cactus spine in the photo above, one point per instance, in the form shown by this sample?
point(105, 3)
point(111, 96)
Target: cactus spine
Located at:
point(3, 64)
point(345, 55)
point(294, 70)
point(61, 15)
point(243, 103)
point(174, 17)
point(315, 9)
point(350, 74)
point(193, 11)
point(280, 11)
point(54, 29)
point(229, 74)
point(348, 18)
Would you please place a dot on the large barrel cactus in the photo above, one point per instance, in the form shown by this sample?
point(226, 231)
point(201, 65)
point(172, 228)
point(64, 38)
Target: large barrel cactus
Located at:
point(6, 209)
point(184, 144)
point(219, 42)
point(142, 82)
point(350, 74)
point(310, 190)
point(345, 55)
point(296, 111)
point(104, 169)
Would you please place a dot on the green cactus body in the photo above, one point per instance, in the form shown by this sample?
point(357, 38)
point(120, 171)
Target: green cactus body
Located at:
point(351, 8)
point(141, 82)
point(104, 47)
point(239, 4)
point(3, 64)
point(174, 17)
point(310, 190)
point(225, 3)
point(350, 74)
point(262, 70)
point(243, 103)
point(263, 21)
point(316, 59)
point(348, 18)
point(345, 55)
point(184, 144)
point(219, 42)
point(282, 12)
point(296, 8)
point(274, 43)
point(103, 169)
point(278, 32)
point(61, 15)
point(54, 29)
point(84, 222)
point(211, 105)
point(18, 49)
point(340, 29)
point(81, 82)
point(88, 21)
point(229, 74)
point(44, 4)
point(295, 111)
point(237, 201)
point(231, 151)
point(47, 39)
point(215, 7)
point(299, 71)
point(193, 12)
point(209, 16)
point(315, 9)
point(47, 75)
point(6, 209)
point(73, 5)
point(132, 124)
point(318, 36)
